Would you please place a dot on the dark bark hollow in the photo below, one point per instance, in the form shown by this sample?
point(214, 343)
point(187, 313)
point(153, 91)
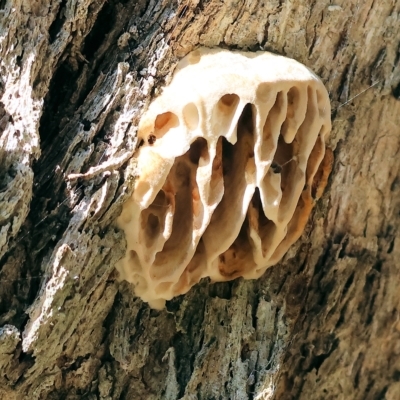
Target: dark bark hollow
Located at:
point(74, 80)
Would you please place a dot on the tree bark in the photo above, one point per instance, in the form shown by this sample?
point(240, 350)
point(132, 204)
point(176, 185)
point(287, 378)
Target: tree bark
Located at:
point(75, 78)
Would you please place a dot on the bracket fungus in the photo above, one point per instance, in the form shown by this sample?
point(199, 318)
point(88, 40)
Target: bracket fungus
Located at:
point(226, 172)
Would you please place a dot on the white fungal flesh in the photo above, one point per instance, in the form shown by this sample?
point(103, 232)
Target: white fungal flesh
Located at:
point(231, 148)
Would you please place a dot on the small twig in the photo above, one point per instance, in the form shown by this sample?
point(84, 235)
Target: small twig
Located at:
point(114, 163)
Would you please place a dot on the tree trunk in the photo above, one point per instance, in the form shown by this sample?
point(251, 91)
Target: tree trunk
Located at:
point(75, 77)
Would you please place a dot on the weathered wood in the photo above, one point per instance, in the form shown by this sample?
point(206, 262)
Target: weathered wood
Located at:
point(74, 80)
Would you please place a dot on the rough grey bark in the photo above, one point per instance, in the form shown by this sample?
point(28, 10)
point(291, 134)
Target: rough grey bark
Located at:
point(74, 80)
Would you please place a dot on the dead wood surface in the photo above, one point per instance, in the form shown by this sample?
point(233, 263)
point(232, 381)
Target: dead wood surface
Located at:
point(75, 77)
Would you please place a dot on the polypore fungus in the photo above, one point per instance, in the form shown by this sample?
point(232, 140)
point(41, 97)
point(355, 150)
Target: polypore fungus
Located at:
point(225, 173)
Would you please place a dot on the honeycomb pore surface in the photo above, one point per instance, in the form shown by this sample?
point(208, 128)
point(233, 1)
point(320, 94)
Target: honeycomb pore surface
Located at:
point(225, 172)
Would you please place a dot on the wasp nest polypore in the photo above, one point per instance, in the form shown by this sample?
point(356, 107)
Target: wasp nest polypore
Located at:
point(225, 174)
